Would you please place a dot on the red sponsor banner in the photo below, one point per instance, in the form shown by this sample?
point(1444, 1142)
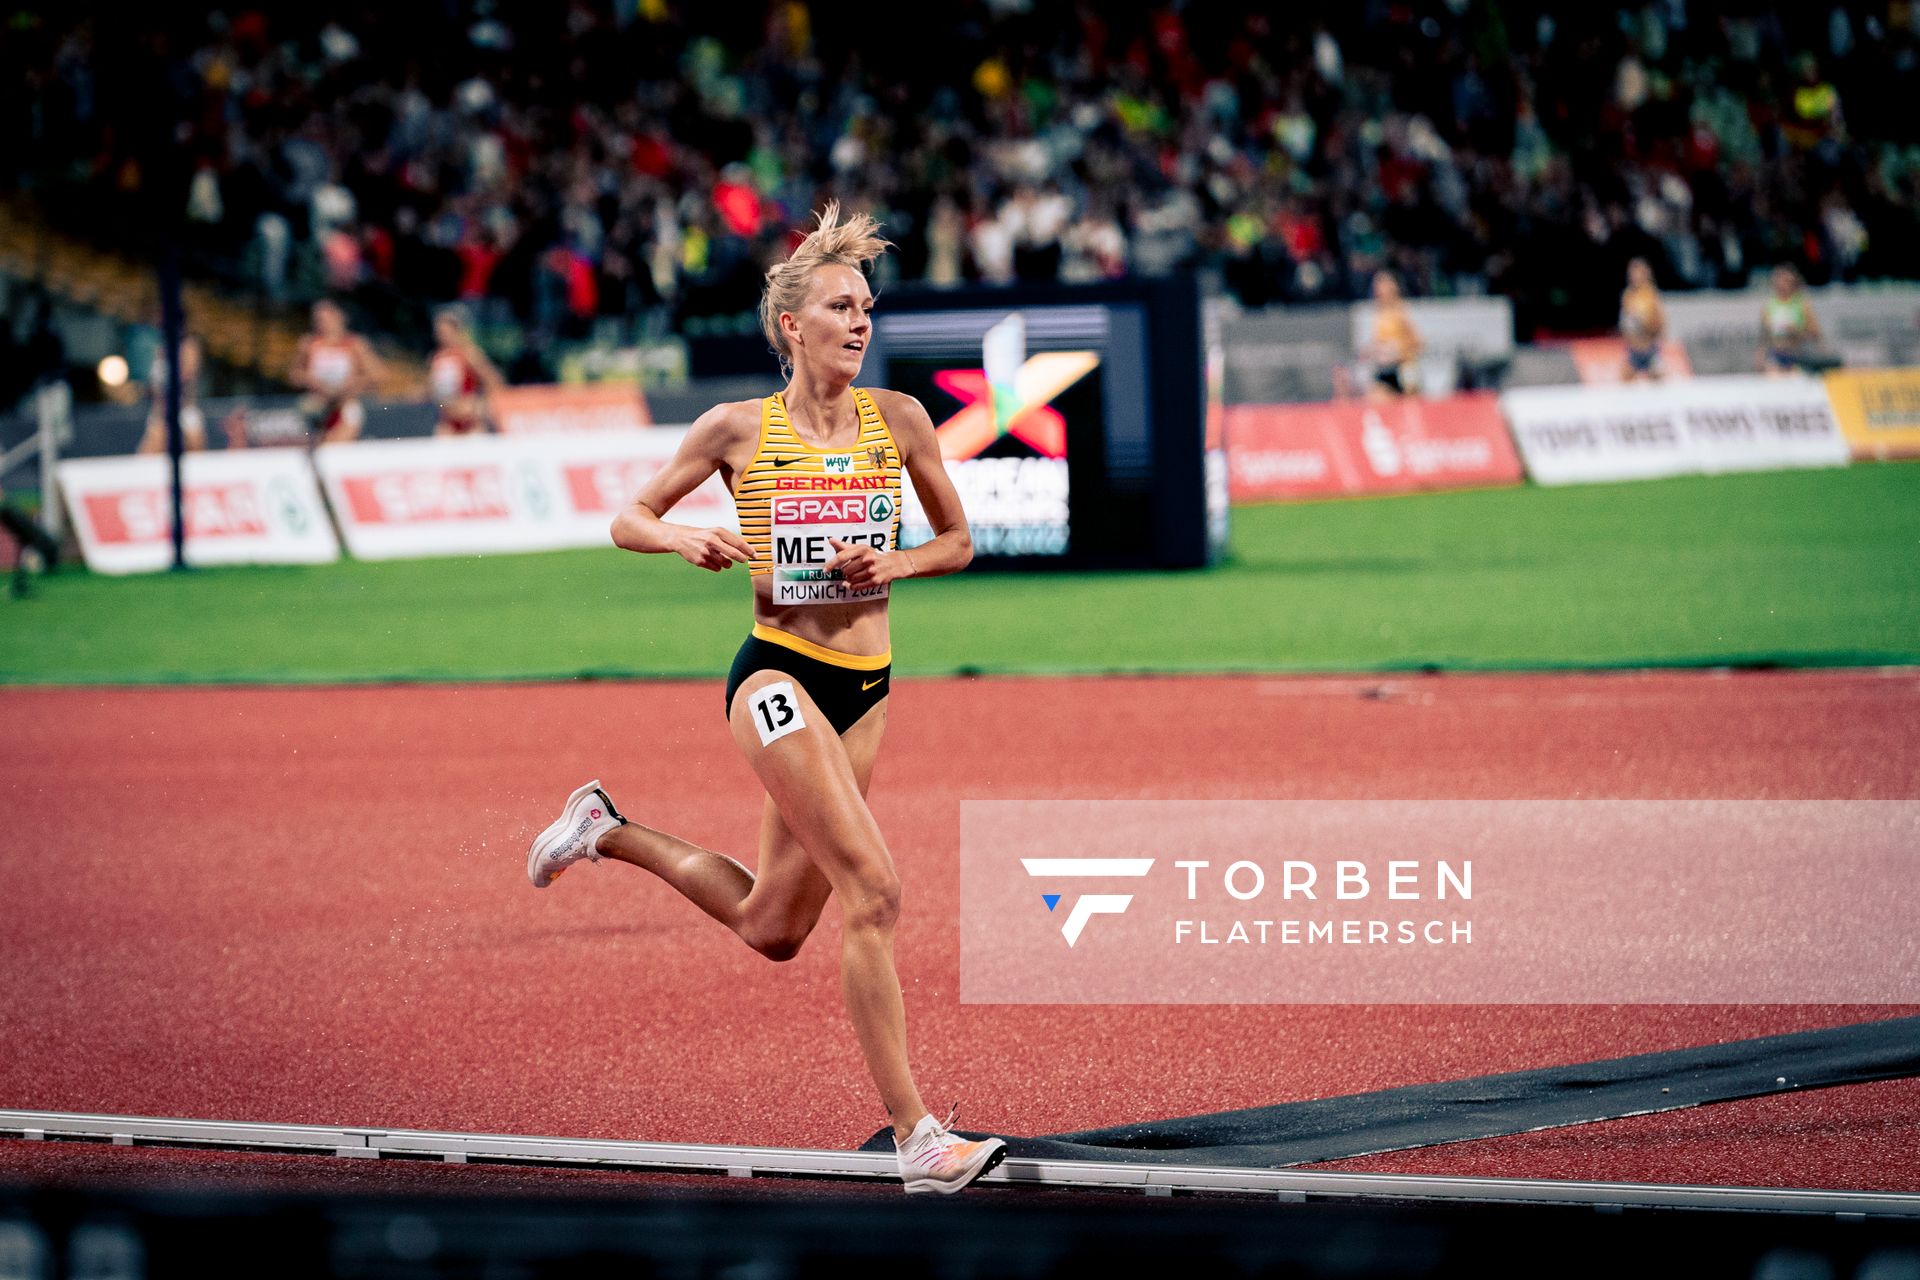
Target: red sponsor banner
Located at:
point(144, 515)
point(602, 488)
point(601, 406)
point(1351, 447)
point(428, 495)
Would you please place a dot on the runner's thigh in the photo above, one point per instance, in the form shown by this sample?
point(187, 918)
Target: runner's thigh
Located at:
point(786, 880)
point(810, 775)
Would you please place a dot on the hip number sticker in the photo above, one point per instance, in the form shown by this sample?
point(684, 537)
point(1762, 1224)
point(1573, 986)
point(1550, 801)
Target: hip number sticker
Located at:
point(776, 711)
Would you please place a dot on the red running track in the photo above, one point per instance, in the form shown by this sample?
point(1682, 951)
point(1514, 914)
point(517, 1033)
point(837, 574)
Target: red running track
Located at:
point(309, 905)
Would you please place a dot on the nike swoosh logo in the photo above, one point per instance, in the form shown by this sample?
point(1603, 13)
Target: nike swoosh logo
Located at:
point(781, 462)
point(869, 684)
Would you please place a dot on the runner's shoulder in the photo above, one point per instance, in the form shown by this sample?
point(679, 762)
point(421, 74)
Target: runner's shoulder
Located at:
point(904, 413)
point(726, 425)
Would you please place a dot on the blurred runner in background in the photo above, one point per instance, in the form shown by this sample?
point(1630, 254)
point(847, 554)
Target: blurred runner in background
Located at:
point(334, 367)
point(460, 378)
point(1643, 323)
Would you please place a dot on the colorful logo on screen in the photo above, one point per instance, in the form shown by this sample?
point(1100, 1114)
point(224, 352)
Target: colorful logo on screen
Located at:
point(1020, 407)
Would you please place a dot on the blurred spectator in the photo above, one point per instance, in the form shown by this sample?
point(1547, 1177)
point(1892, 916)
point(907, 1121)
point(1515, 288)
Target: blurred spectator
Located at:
point(596, 167)
point(31, 350)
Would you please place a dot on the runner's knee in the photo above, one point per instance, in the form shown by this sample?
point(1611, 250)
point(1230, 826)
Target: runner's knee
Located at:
point(873, 900)
point(779, 941)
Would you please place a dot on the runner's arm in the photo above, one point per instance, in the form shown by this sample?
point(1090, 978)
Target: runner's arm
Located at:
point(489, 375)
point(366, 367)
point(951, 548)
point(640, 527)
point(298, 374)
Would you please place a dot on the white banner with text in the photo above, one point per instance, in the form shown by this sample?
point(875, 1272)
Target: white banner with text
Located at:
point(249, 506)
point(480, 494)
point(1571, 435)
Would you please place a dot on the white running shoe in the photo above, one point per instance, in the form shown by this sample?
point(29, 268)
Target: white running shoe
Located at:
point(571, 837)
point(935, 1159)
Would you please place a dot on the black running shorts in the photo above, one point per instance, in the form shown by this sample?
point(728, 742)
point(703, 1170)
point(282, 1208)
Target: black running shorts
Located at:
point(845, 686)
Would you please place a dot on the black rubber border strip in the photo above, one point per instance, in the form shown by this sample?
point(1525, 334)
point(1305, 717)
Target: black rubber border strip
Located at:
point(1428, 1115)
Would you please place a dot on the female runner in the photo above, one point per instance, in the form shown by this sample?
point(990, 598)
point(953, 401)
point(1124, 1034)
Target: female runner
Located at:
point(1396, 344)
point(460, 378)
point(1788, 327)
point(1643, 323)
point(815, 475)
point(334, 367)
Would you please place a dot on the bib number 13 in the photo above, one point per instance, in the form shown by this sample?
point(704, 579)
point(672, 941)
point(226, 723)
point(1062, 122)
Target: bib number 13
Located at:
point(776, 711)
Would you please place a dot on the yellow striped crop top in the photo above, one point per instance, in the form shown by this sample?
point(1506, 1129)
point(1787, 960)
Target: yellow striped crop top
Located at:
point(793, 498)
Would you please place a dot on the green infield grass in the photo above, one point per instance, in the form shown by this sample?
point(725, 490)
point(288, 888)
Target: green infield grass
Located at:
point(1791, 568)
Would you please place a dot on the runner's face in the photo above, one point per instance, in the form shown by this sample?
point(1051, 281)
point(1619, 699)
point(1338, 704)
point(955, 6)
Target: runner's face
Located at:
point(329, 322)
point(836, 322)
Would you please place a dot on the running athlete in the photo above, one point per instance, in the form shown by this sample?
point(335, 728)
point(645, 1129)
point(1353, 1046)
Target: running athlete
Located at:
point(460, 377)
point(1788, 328)
point(335, 368)
point(193, 422)
point(1395, 349)
point(815, 475)
point(1643, 323)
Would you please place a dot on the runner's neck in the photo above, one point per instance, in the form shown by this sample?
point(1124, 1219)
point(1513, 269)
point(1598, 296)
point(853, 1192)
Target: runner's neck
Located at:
point(812, 408)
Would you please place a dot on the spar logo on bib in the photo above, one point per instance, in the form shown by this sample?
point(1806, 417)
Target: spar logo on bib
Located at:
point(805, 529)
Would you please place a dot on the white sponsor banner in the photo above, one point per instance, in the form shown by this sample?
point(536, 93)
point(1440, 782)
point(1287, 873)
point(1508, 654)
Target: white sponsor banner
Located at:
point(251, 506)
point(1568, 435)
point(474, 494)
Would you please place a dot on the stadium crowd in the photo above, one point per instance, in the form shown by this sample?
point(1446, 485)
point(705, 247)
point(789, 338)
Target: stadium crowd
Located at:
point(636, 164)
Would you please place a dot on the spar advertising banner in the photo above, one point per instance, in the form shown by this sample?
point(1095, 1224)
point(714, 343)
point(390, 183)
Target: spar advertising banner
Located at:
point(476, 494)
point(251, 506)
point(1350, 447)
point(1570, 435)
point(1878, 410)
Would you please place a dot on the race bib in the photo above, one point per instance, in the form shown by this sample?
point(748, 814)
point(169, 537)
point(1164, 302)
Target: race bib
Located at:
point(805, 525)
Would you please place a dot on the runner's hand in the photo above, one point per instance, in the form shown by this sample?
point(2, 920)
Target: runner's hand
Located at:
point(862, 566)
point(714, 549)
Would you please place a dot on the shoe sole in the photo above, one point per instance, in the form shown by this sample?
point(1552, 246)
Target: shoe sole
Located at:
point(556, 827)
point(987, 1166)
